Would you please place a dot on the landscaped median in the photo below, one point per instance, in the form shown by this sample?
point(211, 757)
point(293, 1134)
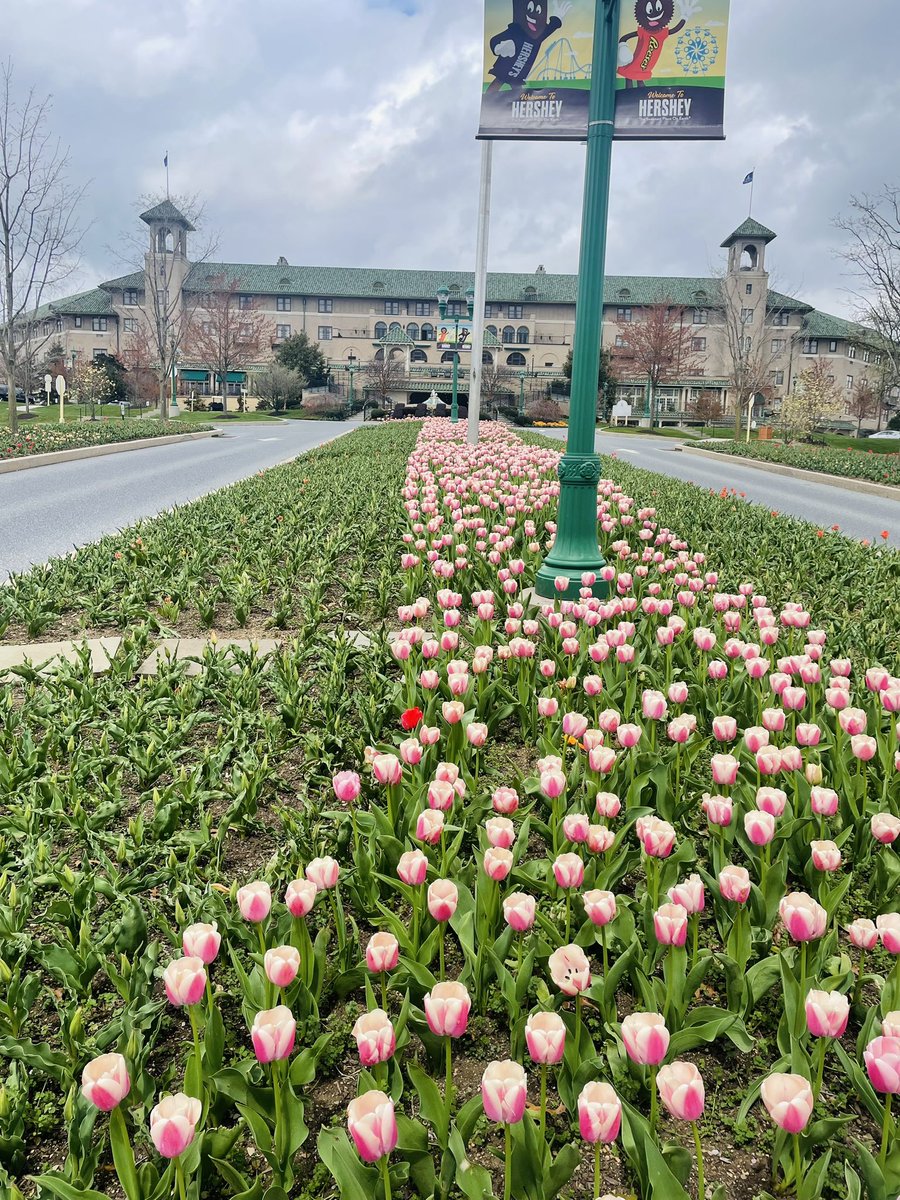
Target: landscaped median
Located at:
point(53, 439)
point(865, 465)
point(497, 900)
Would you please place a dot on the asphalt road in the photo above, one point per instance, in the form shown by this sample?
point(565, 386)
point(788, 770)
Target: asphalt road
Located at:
point(859, 515)
point(46, 511)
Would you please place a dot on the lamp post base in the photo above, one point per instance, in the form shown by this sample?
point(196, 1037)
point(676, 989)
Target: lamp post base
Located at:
point(576, 549)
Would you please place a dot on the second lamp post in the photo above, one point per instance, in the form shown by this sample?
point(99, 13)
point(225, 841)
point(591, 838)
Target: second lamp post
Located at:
point(443, 297)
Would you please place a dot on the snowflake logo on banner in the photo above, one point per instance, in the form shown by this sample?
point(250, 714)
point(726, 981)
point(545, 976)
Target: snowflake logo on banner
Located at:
point(696, 51)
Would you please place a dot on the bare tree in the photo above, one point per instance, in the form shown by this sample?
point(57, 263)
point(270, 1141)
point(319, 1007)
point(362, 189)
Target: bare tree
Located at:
point(707, 407)
point(496, 382)
point(873, 254)
point(749, 353)
point(656, 348)
point(225, 337)
point(862, 403)
point(39, 236)
point(169, 307)
point(383, 375)
point(277, 386)
point(814, 399)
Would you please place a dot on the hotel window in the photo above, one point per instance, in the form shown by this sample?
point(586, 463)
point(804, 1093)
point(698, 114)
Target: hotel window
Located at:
point(283, 303)
point(392, 308)
point(206, 327)
point(130, 296)
point(876, 358)
point(423, 308)
point(427, 332)
point(418, 356)
point(98, 324)
point(456, 308)
point(849, 383)
point(624, 315)
point(701, 316)
point(245, 330)
point(851, 352)
point(324, 333)
point(59, 324)
point(380, 329)
point(748, 290)
point(245, 302)
point(516, 312)
point(522, 335)
point(412, 331)
point(282, 331)
point(867, 357)
point(810, 345)
point(326, 306)
point(698, 343)
point(780, 318)
point(746, 344)
point(515, 359)
point(491, 329)
point(777, 377)
point(508, 335)
point(746, 316)
point(131, 325)
point(77, 322)
point(489, 311)
point(777, 345)
point(620, 342)
point(832, 346)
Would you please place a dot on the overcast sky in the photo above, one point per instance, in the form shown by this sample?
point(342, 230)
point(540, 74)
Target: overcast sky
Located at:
point(342, 133)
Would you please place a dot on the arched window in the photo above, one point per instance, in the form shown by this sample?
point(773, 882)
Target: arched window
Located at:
point(379, 355)
point(508, 335)
point(624, 294)
point(412, 331)
point(487, 358)
point(515, 359)
point(447, 356)
point(418, 356)
point(453, 289)
point(395, 325)
point(380, 329)
point(492, 329)
point(427, 333)
point(748, 258)
point(530, 293)
point(522, 335)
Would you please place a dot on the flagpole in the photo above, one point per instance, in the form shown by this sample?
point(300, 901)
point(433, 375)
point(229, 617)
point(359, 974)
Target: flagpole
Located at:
point(167, 177)
point(752, 181)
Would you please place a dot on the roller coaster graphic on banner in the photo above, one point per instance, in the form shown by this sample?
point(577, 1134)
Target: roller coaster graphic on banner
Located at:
point(558, 62)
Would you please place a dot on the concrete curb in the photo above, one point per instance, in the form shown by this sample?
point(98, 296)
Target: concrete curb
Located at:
point(838, 481)
point(59, 456)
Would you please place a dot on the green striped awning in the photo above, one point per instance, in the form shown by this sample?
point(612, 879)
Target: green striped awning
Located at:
point(194, 376)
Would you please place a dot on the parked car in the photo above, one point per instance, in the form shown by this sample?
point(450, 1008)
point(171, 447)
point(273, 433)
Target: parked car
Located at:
point(4, 393)
point(886, 435)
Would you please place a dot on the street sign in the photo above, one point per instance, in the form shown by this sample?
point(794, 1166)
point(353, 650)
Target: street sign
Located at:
point(61, 384)
point(48, 386)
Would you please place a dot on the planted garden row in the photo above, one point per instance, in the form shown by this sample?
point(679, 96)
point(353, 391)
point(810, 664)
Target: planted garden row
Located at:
point(48, 439)
point(849, 463)
point(515, 902)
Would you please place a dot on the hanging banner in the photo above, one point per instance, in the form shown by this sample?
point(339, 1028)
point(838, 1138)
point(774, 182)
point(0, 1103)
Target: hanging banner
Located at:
point(670, 80)
point(537, 69)
point(670, 75)
point(446, 336)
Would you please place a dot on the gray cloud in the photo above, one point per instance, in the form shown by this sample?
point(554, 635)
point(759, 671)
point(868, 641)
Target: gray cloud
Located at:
point(342, 133)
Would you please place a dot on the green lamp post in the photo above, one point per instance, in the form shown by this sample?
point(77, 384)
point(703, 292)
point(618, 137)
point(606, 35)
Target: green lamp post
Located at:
point(352, 368)
point(443, 296)
point(576, 549)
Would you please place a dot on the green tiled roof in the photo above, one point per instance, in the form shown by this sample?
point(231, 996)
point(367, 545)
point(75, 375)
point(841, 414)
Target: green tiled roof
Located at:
point(166, 211)
point(396, 337)
point(134, 280)
point(822, 325)
point(750, 229)
point(95, 303)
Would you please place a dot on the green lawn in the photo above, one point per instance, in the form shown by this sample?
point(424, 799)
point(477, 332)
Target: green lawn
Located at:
point(49, 415)
point(204, 418)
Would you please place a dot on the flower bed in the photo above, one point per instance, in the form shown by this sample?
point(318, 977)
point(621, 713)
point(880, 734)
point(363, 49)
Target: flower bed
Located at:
point(512, 902)
point(47, 439)
point(849, 464)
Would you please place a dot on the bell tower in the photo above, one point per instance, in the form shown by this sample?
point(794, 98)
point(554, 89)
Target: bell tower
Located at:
point(166, 263)
point(746, 283)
